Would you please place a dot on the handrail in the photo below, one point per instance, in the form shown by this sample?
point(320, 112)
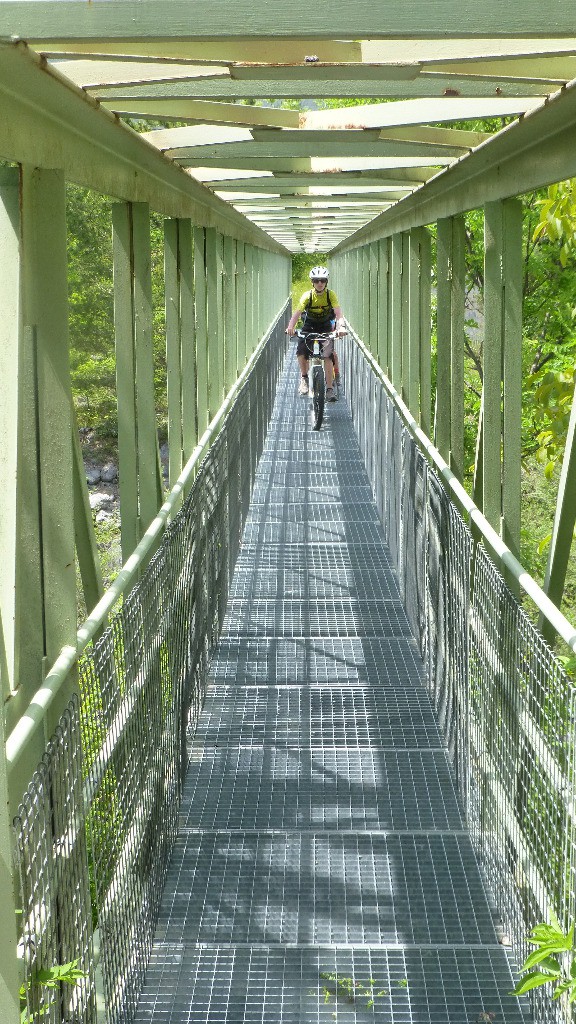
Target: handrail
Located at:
point(54, 679)
point(462, 499)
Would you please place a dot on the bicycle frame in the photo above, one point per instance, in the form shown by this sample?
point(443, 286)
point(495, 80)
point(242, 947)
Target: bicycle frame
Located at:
point(319, 352)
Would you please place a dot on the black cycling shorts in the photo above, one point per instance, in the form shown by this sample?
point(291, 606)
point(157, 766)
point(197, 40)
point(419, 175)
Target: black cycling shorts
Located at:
point(322, 327)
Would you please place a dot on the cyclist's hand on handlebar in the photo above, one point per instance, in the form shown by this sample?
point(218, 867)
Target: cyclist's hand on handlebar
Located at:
point(340, 332)
point(291, 331)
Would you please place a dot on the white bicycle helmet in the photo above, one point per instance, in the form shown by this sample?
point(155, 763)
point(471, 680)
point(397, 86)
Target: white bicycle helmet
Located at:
point(318, 272)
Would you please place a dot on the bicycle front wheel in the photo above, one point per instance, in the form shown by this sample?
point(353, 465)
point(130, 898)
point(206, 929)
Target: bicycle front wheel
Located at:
point(318, 397)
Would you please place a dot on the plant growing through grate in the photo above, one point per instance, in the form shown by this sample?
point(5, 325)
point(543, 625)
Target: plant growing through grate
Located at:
point(32, 990)
point(357, 993)
point(552, 962)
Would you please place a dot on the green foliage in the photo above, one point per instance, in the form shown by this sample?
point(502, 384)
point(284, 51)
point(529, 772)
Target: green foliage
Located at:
point(339, 987)
point(553, 961)
point(91, 311)
point(46, 978)
point(558, 219)
point(355, 993)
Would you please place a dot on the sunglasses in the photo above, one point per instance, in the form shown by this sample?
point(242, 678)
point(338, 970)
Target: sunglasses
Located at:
point(319, 280)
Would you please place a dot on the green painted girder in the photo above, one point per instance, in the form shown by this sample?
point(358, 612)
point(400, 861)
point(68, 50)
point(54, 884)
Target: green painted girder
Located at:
point(223, 88)
point(398, 178)
point(202, 111)
point(47, 121)
point(295, 49)
point(319, 165)
point(422, 111)
point(316, 144)
point(125, 19)
point(297, 202)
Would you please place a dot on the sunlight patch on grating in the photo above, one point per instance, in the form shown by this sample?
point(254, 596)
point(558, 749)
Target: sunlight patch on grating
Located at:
point(357, 888)
point(321, 661)
point(302, 716)
point(269, 985)
point(358, 789)
point(316, 618)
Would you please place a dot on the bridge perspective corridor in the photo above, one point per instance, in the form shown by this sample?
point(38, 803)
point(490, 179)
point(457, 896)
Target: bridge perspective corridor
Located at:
point(322, 870)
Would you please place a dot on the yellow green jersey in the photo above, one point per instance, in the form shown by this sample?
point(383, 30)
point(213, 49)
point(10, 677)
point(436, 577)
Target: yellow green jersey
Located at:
point(318, 306)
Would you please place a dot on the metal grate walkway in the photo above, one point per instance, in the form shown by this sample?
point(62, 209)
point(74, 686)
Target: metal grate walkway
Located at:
point(322, 870)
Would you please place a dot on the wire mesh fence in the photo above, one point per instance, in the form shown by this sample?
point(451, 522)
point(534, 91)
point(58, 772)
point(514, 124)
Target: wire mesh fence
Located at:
point(505, 706)
point(97, 824)
point(52, 858)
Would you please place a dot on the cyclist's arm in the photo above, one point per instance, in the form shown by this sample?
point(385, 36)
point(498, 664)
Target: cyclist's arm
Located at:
point(340, 321)
point(291, 327)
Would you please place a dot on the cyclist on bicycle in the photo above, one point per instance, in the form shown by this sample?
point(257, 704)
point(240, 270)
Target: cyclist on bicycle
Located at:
point(321, 314)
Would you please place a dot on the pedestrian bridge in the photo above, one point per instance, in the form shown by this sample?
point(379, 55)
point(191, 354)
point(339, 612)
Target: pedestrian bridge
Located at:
point(311, 756)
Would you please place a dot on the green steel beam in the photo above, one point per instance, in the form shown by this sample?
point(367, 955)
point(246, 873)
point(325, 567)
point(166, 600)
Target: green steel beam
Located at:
point(45, 312)
point(513, 280)
point(492, 364)
point(173, 350)
point(396, 248)
point(442, 417)
point(457, 307)
point(223, 89)
point(214, 319)
point(229, 284)
point(85, 535)
point(336, 143)
point(412, 383)
point(145, 19)
point(180, 344)
point(241, 304)
point(425, 329)
point(398, 177)
point(383, 258)
point(201, 329)
point(190, 431)
point(46, 121)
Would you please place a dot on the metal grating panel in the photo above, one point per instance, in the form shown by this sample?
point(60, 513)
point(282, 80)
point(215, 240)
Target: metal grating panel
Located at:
point(299, 716)
point(322, 661)
point(316, 618)
point(270, 985)
point(360, 789)
point(360, 889)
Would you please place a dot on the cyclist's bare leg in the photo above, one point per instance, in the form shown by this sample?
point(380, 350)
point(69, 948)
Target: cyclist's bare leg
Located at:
point(329, 371)
point(303, 364)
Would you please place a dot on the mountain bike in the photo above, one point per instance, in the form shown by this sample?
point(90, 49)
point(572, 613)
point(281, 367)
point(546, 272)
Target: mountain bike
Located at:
point(320, 347)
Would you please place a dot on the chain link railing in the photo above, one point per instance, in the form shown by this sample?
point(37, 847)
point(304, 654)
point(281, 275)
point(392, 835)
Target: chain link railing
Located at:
point(505, 706)
point(97, 824)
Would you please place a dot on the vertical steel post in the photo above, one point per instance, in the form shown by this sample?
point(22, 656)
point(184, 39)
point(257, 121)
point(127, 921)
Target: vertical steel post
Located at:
point(241, 304)
point(229, 324)
point(512, 374)
point(458, 285)
point(425, 373)
point(173, 349)
point(383, 248)
point(443, 337)
point(21, 637)
point(492, 365)
point(412, 374)
point(213, 313)
point(45, 318)
point(201, 329)
point(396, 311)
point(373, 298)
point(139, 464)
